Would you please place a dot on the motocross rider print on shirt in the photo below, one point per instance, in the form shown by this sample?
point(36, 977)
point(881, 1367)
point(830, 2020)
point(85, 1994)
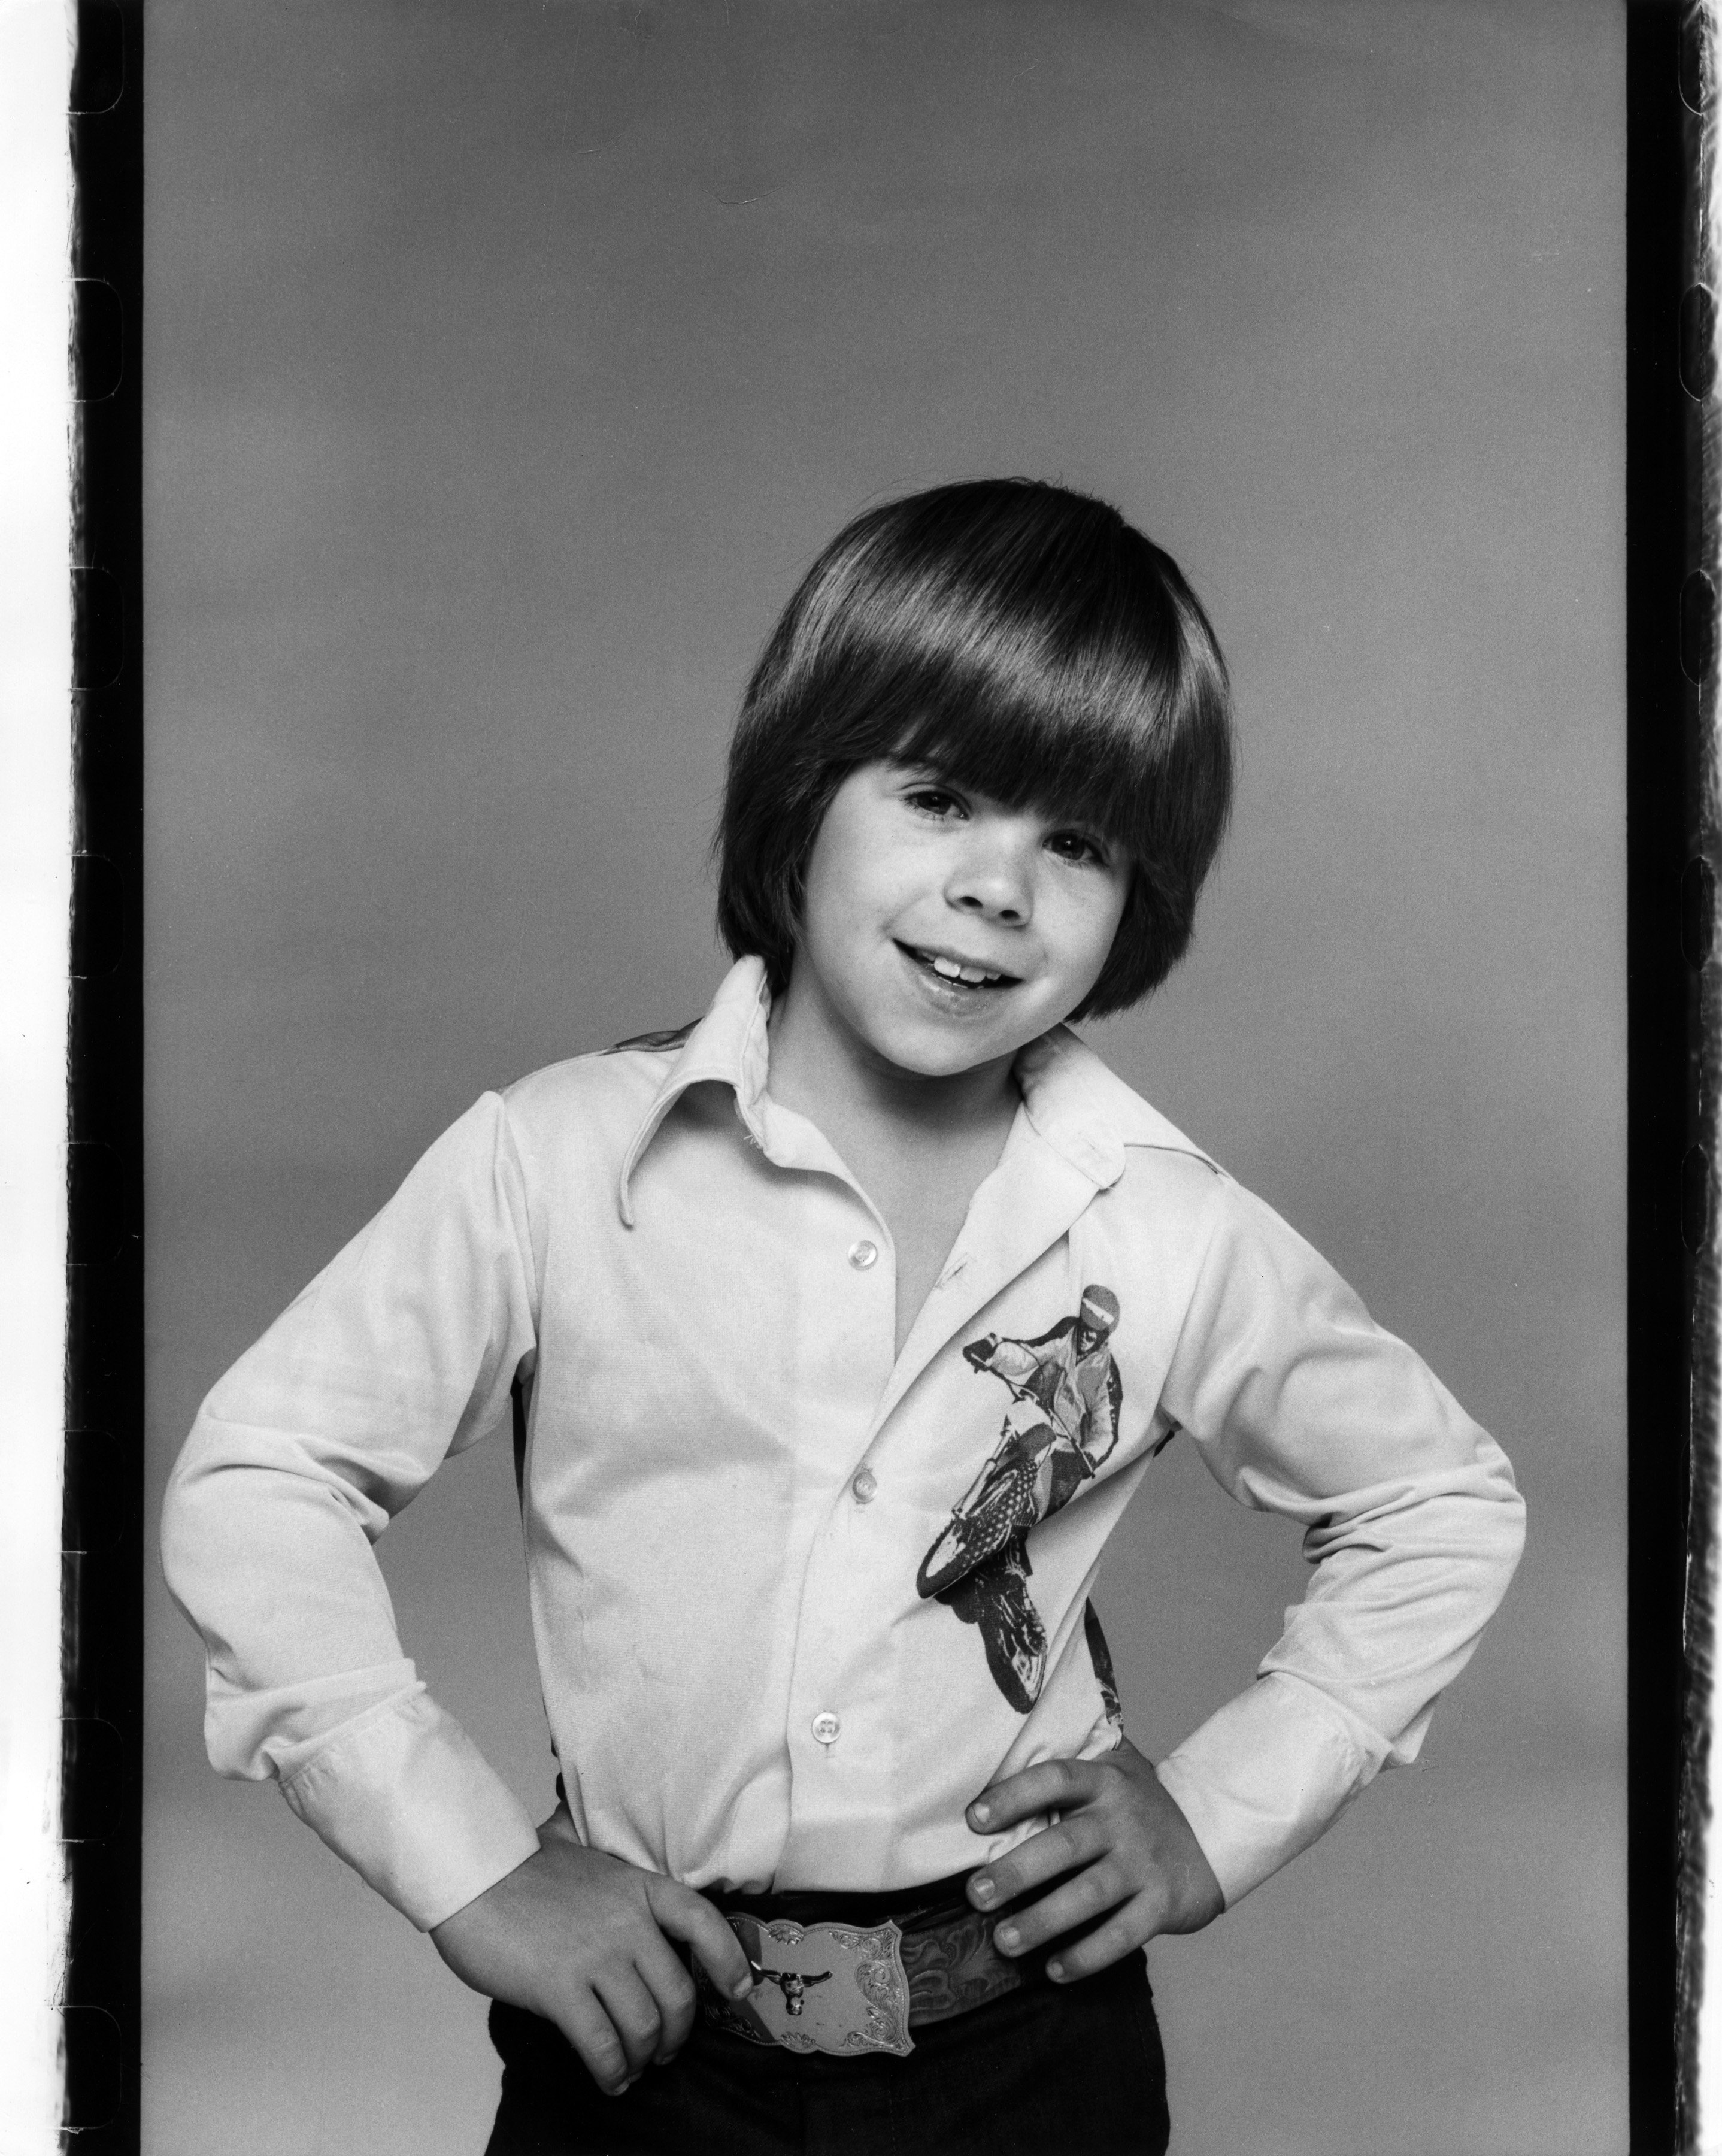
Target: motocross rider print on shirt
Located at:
point(1100, 1655)
point(1060, 1427)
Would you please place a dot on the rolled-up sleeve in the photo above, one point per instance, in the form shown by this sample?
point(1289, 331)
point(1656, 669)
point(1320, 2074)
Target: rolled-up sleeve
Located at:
point(402, 1351)
point(1301, 1405)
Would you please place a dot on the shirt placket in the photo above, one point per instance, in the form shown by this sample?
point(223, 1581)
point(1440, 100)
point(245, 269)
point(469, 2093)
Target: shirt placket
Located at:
point(832, 1724)
point(845, 1746)
point(836, 1732)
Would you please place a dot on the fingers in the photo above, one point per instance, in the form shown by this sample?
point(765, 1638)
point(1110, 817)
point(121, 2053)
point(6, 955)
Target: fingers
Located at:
point(1055, 1785)
point(1102, 1887)
point(1074, 1841)
point(1120, 1858)
point(625, 1998)
point(586, 2023)
point(684, 1915)
point(638, 2013)
point(1126, 1930)
point(578, 1937)
point(672, 1993)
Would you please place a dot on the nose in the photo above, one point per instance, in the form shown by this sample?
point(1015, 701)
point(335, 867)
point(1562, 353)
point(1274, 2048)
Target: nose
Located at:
point(992, 876)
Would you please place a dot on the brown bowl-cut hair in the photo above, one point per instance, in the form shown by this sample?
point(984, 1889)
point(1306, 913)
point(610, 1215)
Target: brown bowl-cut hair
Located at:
point(1019, 641)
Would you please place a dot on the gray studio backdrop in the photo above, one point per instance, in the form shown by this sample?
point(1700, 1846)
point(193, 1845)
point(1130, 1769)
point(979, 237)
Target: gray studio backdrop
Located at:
point(505, 365)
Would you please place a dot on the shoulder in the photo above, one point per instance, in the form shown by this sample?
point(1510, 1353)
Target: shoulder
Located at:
point(1229, 1247)
point(1227, 1265)
point(1162, 1193)
point(1146, 1145)
point(1169, 1210)
point(597, 1099)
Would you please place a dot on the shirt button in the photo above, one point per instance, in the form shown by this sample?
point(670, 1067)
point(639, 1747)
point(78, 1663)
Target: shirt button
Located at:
point(864, 1254)
point(826, 1727)
point(863, 1487)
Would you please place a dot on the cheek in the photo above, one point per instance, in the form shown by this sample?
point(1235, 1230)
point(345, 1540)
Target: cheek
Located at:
point(1087, 925)
point(830, 873)
point(858, 875)
point(848, 893)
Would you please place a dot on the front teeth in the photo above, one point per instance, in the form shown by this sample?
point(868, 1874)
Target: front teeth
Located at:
point(951, 971)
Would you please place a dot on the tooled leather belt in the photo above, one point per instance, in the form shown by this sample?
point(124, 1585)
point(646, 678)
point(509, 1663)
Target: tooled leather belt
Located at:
point(851, 1974)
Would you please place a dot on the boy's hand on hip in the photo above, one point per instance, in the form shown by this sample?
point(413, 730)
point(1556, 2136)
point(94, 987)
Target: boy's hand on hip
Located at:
point(583, 1939)
point(1121, 1846)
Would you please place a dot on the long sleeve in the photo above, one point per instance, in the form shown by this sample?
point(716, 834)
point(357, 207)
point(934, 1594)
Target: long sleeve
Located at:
point(401, 1352)
point(1301, 1405)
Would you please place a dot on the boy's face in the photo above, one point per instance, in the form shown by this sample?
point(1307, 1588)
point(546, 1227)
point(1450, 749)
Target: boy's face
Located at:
point(913, 883)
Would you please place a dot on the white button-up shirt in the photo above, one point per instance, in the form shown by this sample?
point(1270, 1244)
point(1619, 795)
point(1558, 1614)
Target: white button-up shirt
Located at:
point(798, 1598)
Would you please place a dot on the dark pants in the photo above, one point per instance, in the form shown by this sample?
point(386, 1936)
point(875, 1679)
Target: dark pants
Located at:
point(1047, 2071)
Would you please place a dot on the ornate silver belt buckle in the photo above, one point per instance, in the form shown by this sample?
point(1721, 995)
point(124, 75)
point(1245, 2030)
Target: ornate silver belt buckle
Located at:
point(835, 1988)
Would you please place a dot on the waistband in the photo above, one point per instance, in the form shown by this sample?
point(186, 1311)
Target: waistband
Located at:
point(911, 1908)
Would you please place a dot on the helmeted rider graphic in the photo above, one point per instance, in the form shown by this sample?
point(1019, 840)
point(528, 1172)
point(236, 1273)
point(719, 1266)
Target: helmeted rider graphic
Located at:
point(1066, 1397)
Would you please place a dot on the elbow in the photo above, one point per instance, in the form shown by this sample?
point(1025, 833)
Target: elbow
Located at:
point(207, 1529)
point(1513, 1539)
point(1492, 1542)
point(183, 1528)
point(1509, 1510)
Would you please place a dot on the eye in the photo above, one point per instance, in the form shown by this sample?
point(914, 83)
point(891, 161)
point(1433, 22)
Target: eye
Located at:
point(933, 801)
point(1079, 846)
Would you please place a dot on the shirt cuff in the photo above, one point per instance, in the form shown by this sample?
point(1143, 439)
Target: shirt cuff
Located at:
point(406, 1797)
point(1264, 1777)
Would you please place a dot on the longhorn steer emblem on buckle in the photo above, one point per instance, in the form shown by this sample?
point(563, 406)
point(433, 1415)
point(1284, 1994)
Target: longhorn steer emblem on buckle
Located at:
point(791, 1982)
point(839, 1988)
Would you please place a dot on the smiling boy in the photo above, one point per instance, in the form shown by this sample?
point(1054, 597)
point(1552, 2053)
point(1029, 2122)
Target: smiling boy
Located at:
point(835, 1719)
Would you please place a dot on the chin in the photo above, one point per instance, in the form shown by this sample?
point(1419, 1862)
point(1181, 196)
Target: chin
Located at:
point(944, 1055)
point(950, 1064)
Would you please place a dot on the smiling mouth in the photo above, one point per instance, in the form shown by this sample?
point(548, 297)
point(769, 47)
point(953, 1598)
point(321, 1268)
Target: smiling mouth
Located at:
point(957, 972)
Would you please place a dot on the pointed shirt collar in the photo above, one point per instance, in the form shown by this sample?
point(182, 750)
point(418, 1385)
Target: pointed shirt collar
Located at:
point(1080, 1108)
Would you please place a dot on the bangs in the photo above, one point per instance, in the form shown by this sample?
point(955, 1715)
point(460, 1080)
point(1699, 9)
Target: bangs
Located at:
point(1095, 770)
point(1035, 649)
